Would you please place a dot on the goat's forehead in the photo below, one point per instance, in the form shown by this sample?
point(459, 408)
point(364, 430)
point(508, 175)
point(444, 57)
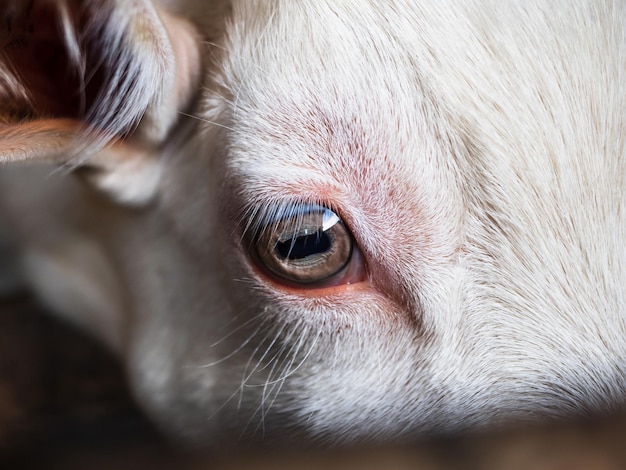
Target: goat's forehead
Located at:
point(314, 82)
point(372, 59)
point(387, 78)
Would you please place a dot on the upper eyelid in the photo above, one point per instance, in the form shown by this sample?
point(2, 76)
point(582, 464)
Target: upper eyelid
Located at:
point(264, 215)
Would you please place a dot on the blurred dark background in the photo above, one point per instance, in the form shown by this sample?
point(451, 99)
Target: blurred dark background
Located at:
point(61, 394)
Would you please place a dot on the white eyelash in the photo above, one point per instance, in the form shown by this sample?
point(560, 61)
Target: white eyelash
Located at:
point(259, 218)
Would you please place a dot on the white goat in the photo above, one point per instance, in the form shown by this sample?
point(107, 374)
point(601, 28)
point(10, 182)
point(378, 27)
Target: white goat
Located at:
point(338, 219)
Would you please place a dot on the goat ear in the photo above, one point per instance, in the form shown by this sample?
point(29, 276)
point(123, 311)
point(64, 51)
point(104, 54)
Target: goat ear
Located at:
point(94, 83)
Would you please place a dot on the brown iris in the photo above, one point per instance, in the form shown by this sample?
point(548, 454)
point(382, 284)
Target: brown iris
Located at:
point(309, 247)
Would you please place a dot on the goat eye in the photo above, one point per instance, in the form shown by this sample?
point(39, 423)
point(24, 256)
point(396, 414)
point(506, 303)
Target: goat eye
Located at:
point(309, 248)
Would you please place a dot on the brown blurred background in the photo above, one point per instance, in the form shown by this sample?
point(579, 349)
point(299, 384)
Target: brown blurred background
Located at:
point(61, 394)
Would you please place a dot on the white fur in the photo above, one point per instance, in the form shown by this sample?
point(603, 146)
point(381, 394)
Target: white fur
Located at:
point(474, 148)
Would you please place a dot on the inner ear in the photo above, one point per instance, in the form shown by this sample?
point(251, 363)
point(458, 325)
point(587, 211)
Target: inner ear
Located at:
point(94, 82)
point(107, 63)
point(45, 46)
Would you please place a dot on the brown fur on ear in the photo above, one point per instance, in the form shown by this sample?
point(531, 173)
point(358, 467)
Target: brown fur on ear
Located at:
point(42, 140)
point(76, 75)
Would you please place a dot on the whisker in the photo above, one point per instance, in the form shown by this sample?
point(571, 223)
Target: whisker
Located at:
point(285, 346)
point(239, 327)
point(293, 371)
point(254, 371)
point(228, 356)
point(221, 407)
point(247, 376)
point(276, 385)
point(208, 121)
point(283, 361)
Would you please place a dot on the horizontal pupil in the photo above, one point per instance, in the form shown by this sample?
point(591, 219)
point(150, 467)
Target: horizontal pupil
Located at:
point(303, 246)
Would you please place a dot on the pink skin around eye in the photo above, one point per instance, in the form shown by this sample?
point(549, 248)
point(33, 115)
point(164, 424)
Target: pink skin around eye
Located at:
point(353, 277)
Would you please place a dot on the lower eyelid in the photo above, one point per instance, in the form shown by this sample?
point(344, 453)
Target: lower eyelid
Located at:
point(354, 277)
point(327, 291)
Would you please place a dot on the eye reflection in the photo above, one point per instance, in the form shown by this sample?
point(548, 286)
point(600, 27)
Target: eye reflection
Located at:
point(308, 247)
